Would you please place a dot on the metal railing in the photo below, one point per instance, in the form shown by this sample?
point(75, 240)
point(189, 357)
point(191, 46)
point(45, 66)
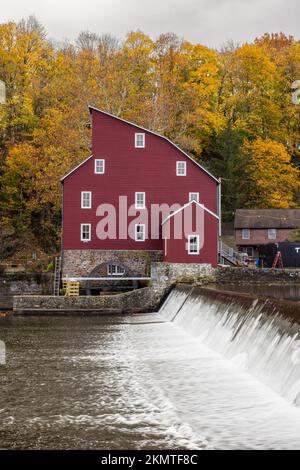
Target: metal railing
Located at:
point(229, 254)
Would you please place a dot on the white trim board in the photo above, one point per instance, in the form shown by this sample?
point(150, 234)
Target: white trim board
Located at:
point(184, 207)
point(76, 167)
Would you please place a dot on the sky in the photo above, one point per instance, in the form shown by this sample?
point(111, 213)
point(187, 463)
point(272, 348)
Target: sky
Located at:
point(210, 22)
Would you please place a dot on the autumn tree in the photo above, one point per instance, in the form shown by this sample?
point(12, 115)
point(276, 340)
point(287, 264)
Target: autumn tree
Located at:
point(230, 109)
point(24, 55)
point(271, 178)
point(248, 95)
point(187, 83)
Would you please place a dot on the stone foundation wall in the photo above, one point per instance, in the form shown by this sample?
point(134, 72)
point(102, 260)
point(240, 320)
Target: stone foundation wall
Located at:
point(228, 275)
point(147, 299)
point(169, 273)
point(80, 263)
point(23, 283)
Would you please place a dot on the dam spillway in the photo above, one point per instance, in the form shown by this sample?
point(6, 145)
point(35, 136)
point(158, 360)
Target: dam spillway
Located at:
point(266, 346)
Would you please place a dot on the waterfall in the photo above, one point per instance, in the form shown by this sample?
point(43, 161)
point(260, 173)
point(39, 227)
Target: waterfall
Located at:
point(263, 345)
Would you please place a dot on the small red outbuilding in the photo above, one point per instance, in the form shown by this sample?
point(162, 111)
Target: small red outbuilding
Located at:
point(190, 235)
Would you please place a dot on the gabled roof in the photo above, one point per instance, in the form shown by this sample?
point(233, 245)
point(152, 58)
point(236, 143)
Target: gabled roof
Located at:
point(185, 206)
point(74, 169)
point(267, 218)
point(92, 108)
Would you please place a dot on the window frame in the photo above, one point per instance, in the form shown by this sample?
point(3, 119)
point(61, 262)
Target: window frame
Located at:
point(136, 200)
point(95, 167)
point(197, 199)
point(198, 244)
point(144, 232)
point(82, 199)
point(249, 250)
point(116, 272)
point(274, 231)
point(243, 234)
point(136, 139)
point(85, 240)
point(178, 163)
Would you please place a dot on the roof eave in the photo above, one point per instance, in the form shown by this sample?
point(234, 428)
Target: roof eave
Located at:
point(93, 108)
point(74, 169)
point(185, 206)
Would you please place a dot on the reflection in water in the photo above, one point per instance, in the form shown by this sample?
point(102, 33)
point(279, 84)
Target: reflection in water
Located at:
point(131, 382)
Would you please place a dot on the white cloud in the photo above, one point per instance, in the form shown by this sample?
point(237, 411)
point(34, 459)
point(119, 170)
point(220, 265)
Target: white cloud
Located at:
point(211, 22)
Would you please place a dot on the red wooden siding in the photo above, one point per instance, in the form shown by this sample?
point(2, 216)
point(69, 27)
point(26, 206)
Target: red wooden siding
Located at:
point(176, 251)
point(128, 170)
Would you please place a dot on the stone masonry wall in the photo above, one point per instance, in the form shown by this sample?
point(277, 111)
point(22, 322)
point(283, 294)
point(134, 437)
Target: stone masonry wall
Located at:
point(80, 263)
point(246, 275)
point(147, 299)
point(23, 283)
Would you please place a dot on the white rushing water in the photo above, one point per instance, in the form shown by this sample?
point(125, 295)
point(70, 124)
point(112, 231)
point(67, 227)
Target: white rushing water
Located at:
point(265, 346)
point(200, 374)
point(213, 372)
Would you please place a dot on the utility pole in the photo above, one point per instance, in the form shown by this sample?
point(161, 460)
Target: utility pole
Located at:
point(2, 92)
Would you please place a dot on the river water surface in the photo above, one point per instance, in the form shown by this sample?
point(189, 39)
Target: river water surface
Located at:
point(131, 383)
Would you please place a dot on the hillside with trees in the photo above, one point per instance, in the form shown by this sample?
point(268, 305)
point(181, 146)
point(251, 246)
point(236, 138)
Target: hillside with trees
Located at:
point(229, 109)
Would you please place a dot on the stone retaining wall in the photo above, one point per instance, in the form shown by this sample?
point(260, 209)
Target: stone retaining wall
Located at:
point(23, 283)
point(170, 273)
point(228, 275)
point(147, 299)
point(80, 263)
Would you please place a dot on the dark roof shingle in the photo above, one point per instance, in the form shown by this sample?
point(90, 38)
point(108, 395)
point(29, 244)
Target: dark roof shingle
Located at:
point(267, 218)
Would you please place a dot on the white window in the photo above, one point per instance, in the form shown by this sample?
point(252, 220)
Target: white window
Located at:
point(139, 140)
point(140, 232)
point(140, 200)
point(194, 197)
point(86, 200)
point(85, 232)
point(249, 250)
point(193, 244)
point(246, 234)
point(99, 167)
point(181, 168)
point(272, 233)
point(115, 270)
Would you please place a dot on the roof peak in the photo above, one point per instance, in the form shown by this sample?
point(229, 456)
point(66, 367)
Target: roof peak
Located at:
point(93, 108)
point(193, 201)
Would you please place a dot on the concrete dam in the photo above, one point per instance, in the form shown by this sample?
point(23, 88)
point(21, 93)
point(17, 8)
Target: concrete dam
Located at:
point(204, 372)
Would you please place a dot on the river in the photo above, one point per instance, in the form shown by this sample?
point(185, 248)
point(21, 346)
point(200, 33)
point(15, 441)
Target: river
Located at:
point(145, 382)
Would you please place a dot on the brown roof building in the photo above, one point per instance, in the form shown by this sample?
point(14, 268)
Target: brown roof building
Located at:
point(254, 227)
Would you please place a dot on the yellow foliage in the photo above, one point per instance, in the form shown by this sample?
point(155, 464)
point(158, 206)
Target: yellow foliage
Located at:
point(196, 96)
point(273, 179)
